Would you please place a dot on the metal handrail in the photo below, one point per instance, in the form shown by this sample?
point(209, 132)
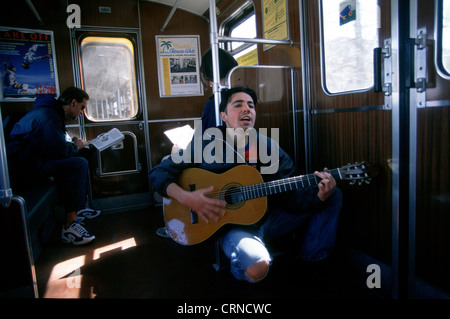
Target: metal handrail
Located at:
point(215, 38)
point(5, 189)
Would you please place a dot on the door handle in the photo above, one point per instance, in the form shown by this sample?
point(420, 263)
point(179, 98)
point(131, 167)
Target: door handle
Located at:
point(382, 65)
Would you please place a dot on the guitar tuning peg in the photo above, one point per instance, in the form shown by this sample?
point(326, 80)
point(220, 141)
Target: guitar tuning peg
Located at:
point(368, 181)
point(352, 182)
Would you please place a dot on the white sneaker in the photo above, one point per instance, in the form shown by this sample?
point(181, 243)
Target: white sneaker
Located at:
point(76, 234)
point(162, 232)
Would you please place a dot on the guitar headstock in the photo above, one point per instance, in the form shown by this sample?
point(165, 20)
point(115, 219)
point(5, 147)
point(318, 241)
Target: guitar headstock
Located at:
point(360, 172)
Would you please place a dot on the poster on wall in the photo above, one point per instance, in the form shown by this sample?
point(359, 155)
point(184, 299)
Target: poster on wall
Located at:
point(179, 65)
point(27, 63)
point(275, 21)
point(347, 11)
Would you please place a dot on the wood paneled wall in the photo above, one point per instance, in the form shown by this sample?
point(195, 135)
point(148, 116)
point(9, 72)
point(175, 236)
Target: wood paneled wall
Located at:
point(184, 23)
point(278, 55)
point(280, 114)
point(274, 110)
point(341, 137)
point(432, 237)
point(124, 13)
point(153, 17)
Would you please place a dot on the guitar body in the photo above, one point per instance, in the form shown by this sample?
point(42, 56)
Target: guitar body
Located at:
point(183, 225)
point(244, 191)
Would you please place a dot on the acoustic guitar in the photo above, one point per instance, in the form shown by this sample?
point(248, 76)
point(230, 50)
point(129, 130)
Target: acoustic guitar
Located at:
point(245, 194)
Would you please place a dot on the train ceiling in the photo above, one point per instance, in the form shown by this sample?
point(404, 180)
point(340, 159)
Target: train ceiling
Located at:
point(198, 7)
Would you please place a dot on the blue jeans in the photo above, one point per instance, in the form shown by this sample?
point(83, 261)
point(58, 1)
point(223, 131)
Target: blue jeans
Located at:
point(245, 246)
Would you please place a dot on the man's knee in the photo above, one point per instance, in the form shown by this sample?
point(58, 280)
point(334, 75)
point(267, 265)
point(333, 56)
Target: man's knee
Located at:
point(80, 163)
point(257, 271)
point(76, 165)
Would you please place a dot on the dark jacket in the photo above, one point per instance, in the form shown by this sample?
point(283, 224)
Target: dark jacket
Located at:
point(209, 114)
point(39, 137)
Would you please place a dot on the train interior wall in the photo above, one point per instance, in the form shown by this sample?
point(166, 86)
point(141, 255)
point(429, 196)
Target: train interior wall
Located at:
point(336, 138)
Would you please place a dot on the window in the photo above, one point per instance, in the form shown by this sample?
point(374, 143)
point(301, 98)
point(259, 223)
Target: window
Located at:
point(242, 25)
point(246, 29)
point(443, 30)
point(108, 75)
point(349, 35)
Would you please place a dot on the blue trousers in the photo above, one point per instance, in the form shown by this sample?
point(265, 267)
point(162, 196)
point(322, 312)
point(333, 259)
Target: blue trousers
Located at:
point(71, 176)
point(246, 246)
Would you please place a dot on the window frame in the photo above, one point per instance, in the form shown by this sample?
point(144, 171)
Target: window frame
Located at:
point(238, 17)
point(322, 60)
point(439, 36)
point(135, 76)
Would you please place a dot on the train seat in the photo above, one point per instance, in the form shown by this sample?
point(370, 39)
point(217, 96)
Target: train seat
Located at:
point(40, 202)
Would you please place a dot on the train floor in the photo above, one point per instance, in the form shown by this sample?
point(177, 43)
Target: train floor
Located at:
point(128, 260)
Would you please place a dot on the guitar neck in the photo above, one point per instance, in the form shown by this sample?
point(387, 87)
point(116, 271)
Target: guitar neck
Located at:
point(284, 185)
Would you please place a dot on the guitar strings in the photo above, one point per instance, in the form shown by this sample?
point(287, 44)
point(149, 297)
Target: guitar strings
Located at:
point(257, 188)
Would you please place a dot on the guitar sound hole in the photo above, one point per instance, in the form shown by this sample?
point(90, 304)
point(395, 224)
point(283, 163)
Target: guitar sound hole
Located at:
point(233, 196)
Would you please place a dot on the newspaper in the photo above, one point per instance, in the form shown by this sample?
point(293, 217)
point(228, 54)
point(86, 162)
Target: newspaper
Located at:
point(180, 136)
point(105, 140)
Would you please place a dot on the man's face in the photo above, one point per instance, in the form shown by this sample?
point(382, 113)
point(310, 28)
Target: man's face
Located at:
point(240, 112)
point(75, 109)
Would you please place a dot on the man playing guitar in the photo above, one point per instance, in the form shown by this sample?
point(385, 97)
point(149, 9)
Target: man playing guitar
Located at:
point(317, 205)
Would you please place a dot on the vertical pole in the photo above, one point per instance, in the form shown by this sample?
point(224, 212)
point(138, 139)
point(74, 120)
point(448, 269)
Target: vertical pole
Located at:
point(5, 190)
point(412, 159)
point(306, 83)
point(395, 150)
point(214, 41)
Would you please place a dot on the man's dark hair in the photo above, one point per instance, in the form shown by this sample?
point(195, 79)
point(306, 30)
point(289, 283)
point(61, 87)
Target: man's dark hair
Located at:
point(226, 63)
point(72, 93)
point(226, 95)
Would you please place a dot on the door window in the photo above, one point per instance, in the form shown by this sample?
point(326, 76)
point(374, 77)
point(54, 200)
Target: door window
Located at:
point(443, 30)
point(108, 76)
point(349, 33)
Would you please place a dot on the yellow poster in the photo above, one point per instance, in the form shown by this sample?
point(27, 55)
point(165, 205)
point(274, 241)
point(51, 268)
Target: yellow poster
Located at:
point(179, 65)
point(250, 58)
point(275, 21)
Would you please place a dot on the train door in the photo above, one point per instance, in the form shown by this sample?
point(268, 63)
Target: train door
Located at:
point(107, 67)
point(347, 121)
point(429, 186)
point(396, 117)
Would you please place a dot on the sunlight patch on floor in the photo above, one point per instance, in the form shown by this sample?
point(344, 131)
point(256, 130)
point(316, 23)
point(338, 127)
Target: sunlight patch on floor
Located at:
point(124, 244)
point(66, 279)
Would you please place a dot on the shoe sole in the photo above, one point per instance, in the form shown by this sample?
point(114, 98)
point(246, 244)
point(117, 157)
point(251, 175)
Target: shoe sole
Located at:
point(77, 243)
point(88, 214)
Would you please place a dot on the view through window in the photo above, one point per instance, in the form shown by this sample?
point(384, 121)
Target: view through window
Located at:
point(349, 34)
point(108, 73)
point(446, 36)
